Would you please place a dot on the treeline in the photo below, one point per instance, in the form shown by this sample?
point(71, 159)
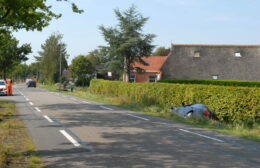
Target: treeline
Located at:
point(126, 43)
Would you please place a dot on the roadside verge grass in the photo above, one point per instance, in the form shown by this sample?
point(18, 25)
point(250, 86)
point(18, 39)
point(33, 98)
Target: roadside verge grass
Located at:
point(243, 130)
point(16, 148)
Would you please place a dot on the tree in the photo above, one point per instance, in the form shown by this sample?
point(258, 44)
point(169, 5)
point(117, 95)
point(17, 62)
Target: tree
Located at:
point(20, 72)
point(96, 57)
point(126, 42)
point(53, 53)
point(161, 51)
point(27, 14)
point(82, 70)
point(10, 53)
point(34, 70)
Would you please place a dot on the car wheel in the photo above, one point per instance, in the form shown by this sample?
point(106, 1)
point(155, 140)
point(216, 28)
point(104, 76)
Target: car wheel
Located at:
point(189, 114)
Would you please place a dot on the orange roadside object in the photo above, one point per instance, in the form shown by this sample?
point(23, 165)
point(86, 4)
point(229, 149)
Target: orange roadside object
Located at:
point(9, 87)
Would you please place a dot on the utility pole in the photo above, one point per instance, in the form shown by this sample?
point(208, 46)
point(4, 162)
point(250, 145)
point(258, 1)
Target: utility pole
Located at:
point(60, 73)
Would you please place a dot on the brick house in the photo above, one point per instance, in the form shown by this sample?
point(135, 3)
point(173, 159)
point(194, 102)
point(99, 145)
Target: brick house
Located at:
point(227, 62)
point(147, 73)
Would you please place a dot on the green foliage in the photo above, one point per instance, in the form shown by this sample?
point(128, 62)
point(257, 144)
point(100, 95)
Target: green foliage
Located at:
point(19, 72)
point(230, 104)
point(127, 43)
point(10, 53)
point(82, 70)
point(53, 51)
point(28, 14)
point(97, 57)
point(161, 51)
point(213, 82)
point(23, 71)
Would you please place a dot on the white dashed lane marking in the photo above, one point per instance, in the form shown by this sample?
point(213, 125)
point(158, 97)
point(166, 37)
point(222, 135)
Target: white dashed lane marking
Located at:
point(215, 139)
point(72, 140)
point(106, 108)
point(37, 109)
point(138, 117)
point(47, 118)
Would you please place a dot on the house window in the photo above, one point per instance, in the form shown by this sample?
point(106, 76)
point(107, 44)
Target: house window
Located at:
point(238, 54)
point(153, 78)
point(196, 54)
point(215, 77)
point(132, 78)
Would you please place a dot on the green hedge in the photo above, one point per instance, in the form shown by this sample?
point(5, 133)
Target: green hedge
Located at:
point(230, 104)
point(213, 82)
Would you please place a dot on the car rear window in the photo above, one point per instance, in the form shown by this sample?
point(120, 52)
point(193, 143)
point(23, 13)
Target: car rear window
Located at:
point(2, 83)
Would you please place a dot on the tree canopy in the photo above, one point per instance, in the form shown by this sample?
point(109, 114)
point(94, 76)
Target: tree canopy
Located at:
point(161, 51)
point(126, 42)
point(28, 14)
point(53, 53)
point(82, 70)
point(10, 53)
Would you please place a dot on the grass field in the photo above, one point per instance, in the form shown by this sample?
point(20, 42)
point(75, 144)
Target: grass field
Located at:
point(16, 148)
point(242, 130)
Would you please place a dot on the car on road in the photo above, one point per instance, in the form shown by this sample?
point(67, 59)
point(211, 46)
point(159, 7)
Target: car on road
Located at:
point(2, 87)
point(193, 110)
point(31, 83)
point(27, 80)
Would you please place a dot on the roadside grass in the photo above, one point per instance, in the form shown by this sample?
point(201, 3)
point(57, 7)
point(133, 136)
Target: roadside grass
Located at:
point(16, 148)
point(243, 130)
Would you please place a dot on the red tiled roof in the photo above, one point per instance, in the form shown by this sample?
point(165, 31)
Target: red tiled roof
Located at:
point(155, 63)
point(214, 45)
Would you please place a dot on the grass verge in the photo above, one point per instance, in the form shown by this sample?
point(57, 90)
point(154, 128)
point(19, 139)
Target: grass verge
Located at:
point(16, 148)
point(243, 130)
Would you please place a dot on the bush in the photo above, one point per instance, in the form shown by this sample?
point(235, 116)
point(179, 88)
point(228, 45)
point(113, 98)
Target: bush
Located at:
point(230, 104)
point(213, 82)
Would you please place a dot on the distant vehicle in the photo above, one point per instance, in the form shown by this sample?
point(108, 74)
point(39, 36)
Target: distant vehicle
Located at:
point(194, 110)
point(3, 88)
point(31, 83)
point(27, 80)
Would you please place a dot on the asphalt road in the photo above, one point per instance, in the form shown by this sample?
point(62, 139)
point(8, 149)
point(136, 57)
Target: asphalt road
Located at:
point(73, 133)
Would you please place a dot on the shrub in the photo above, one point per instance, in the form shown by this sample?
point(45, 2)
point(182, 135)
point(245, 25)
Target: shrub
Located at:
point(230, 104)
point(213, 82)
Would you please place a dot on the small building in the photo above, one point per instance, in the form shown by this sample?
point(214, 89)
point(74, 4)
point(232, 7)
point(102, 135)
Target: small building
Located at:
point(227, 62)
point(151, 72)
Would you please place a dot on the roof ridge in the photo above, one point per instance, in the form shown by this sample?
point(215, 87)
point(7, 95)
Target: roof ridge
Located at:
point(219, 45)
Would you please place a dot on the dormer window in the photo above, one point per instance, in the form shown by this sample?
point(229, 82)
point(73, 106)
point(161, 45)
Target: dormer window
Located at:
point(196, 54)
point(238, 54)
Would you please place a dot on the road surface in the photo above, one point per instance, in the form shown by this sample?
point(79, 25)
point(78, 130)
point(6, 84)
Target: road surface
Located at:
point(72, 132)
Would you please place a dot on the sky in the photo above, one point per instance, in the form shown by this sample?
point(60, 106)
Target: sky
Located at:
point(172, 21)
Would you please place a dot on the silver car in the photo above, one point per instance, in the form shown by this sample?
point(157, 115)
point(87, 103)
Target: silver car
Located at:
point(2, 87)
point(193, 110)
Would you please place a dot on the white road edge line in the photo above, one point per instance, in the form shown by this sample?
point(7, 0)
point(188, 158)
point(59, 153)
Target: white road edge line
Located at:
point(106, 108)
point(72, 140)
point(215, 139)
point(138, 117)
point(31, 103)
point(47, 118)
point(26, 99)
point(73, 99)
point(36, 108)
point(85, 102)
